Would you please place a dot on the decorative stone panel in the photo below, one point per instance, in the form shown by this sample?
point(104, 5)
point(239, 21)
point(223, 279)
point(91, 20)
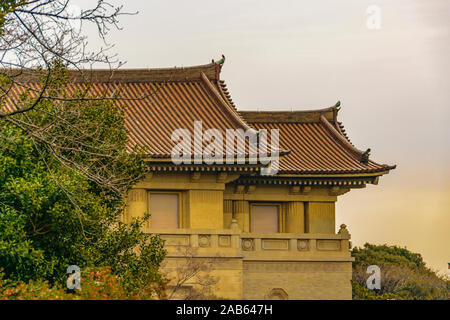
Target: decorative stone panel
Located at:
point(224, 241)
point(204, 240)
point(176, 239)
point(277, 294)
point(275, 244)
point(303, 245)
point(329, 245)
point(247, 244)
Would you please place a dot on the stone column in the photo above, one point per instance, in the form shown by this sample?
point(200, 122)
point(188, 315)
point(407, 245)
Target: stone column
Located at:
point(295, 217)
point(206, 209)
point(227, 213)
point(321, 217)
point(241, 212)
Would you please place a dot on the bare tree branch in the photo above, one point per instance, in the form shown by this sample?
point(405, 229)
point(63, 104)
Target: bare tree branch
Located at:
point(191, 278)
point(37, 33)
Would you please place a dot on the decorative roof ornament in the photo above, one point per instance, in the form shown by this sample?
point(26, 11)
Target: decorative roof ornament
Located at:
point(343, 230)
point(234, 225)
point(365, 156)
point(337, 106)
point(219, 62)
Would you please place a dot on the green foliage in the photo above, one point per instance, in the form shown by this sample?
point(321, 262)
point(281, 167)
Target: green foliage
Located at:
point(17, 254)
point(404, 275)
point(97, 284)
point(7, 6)
point(64, 172)
point(360, 292)
point(388, 255)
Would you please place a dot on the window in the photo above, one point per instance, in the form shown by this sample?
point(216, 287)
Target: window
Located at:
point(164, 210)
point(264, 218)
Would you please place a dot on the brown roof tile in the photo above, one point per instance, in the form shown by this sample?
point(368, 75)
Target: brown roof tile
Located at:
point(316, 142)
point(158, 101)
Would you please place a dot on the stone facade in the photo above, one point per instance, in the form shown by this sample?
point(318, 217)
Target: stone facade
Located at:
point(261, 266)
point(255, 235)
point(215, 237)
point(233, 230)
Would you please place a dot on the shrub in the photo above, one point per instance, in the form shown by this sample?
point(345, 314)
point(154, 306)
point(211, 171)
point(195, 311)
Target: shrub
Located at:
point(404, 275)
point(96, 284)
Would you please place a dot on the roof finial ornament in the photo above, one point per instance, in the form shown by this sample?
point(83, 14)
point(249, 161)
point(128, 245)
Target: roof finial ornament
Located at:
point(234, 225)
point(219, 62)
point(365, 156)
point(337, 106)
point(344, 231)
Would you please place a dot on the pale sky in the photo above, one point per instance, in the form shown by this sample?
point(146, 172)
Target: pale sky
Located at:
point(394, 85)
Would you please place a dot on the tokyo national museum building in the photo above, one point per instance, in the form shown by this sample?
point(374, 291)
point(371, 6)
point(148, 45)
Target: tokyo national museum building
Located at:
point(270, 236)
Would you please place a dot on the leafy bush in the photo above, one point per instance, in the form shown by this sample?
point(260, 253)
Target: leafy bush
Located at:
point(65, 169)
point(96, 284)
point(404, 275)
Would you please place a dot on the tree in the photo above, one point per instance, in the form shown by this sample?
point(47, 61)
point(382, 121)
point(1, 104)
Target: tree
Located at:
point(97, 284)
point(37, 33)
point(404, 275)
point(64, 164)
point(38, 38)
point(189, 277)
point(53, 213)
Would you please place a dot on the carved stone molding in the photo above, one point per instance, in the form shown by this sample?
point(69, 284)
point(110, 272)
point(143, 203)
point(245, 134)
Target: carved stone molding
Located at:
point(195, 176)
point(277, 294)
point(334, 191)
point(247, 244)
point(294, 190)
point(305, 190)
point(274, 244)
point(222, 176)
point(224, 241)
point(204, 240)
point(328, 245)
point(303, 245)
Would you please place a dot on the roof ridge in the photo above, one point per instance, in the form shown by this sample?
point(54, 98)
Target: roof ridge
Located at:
point(128, 75)
point(223, 90)
point(362, 156)
point(296, 116)
point(292, 111)
point(341, 129)
point(216, 94)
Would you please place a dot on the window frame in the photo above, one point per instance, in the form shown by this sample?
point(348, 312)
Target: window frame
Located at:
point(281, 218)
point(180, 221)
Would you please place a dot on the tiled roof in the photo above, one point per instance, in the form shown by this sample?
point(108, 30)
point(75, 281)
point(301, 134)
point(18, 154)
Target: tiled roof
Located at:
point(317, 143)
point(159, 101)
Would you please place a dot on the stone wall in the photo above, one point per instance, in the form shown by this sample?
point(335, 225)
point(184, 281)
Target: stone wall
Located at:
point(259, 266)
point(297, 280)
